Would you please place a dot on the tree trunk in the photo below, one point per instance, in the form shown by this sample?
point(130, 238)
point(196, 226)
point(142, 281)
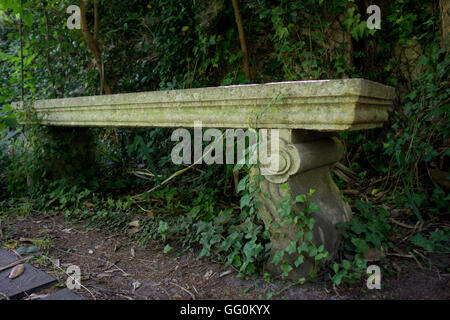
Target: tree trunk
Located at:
point(242, 39)
point(92, 42)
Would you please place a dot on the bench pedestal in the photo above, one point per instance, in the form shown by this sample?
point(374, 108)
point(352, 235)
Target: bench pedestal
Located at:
point(305, 161)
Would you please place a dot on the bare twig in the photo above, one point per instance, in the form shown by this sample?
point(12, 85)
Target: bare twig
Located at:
point(95, 20)
point(400, 255)
point(179, 172)
point(71, 277)
point(12, 264)
point(184, 289)
point(345, 173)
point(21, 50)
point(403, 224)
point(95, 258)
point(417, 260)
point(351, 191)
point(93, 45)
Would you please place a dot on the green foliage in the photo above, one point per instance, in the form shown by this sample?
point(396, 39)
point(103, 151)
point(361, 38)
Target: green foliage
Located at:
point(349, 271)
point(369, 229)
point(418, 146)
point(303, 247)
point(171, 44)
point(438, 240)
point(353, 24)
point(239, 240)
point(299, 37)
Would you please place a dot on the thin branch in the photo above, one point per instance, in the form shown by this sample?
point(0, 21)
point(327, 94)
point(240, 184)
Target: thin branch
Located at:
point(179, 172)
point(70, 276)
point(95, 20)
point(63, 62)
point(21, 50)
point(12, 264)
point(93, 45)
point(184, 289)
point(95, 258)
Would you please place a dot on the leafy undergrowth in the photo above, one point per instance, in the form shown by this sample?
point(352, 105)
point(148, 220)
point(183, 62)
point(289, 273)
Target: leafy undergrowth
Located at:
point(197, 219)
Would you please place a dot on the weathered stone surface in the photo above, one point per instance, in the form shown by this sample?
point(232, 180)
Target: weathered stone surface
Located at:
point(325, 105)
point(315, 155)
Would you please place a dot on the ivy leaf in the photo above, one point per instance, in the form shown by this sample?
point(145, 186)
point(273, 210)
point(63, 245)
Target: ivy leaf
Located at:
point(301, 198)
point(337, 279)
point(313, 252)
point(360, 244)
point(421, 241)
point(277, 257)
point(299, 260)
point(251, 249)
point(291, 247)
point(321, 256)
point(304, 247)
point(245, 200)
point(286, 267)
point(335, 267)
point(313, 207)
point(242, 184)
point(346, 264)
point(311, 223)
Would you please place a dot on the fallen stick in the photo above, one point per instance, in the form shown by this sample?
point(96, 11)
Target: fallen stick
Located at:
point(71, 277)
point(400, 255)
point(404, 225)
point(186, 290)
point(15, 263)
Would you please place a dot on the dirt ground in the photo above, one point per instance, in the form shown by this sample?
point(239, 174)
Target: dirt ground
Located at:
point(113, 268)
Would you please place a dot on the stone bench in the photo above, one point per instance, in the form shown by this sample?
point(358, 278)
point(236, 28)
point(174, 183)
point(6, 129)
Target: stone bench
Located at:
point(309, 115)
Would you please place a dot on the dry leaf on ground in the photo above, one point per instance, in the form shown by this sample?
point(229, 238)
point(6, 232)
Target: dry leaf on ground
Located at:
point(17, 271)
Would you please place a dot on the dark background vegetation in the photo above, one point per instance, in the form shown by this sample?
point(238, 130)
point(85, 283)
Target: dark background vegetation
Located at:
point(395, 177)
